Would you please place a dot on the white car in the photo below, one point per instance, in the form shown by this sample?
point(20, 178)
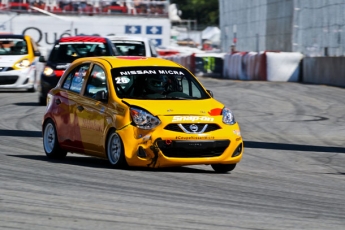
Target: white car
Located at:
point(133, 46)
point(18, 58)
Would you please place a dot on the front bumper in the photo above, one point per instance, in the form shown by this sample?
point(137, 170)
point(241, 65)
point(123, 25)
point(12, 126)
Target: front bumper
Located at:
point(18, 79)
point(165, 148)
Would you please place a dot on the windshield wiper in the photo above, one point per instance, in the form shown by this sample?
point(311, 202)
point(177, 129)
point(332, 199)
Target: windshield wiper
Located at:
point(177, 98)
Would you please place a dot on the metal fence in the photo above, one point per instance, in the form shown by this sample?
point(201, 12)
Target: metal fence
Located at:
point(312, 27)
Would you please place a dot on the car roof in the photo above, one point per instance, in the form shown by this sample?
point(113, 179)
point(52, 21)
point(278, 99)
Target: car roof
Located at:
point(131, 61)
point(18, 36)
point(127, 38)
point(83, 38)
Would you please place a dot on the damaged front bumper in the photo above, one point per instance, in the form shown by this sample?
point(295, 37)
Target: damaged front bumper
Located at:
point(162, 148)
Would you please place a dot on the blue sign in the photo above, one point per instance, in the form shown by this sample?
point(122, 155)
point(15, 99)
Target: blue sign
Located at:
point(156, 41)
point(133, 29)
point(154, 29)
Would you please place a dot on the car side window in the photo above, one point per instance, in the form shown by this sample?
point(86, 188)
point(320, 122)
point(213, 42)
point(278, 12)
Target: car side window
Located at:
point(96, 82)
point(75, 78)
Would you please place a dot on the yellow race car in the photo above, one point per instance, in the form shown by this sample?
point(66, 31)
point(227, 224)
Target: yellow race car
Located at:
point(139, 111)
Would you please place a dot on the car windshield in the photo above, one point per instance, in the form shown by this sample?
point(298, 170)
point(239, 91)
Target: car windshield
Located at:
point(13, 46)
point(156, 83)
point(68, 52)
point(130, 48)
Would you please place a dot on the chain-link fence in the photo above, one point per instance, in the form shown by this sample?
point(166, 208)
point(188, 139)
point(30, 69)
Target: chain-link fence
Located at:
point(312, 27)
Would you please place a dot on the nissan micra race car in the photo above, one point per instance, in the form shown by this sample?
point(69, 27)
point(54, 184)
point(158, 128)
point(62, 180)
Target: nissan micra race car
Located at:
point(18, 59)
point(139, 111)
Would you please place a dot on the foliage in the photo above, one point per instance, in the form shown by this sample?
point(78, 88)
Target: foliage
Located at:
point(206, 12)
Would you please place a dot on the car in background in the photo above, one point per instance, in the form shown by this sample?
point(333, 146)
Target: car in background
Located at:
point(133, 46)
point(139, 111)
point(64, 52)
point(18, 58)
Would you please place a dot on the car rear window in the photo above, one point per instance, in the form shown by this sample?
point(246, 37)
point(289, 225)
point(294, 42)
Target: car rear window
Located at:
point(68, 52)
point(13, 46)
point(130, 48)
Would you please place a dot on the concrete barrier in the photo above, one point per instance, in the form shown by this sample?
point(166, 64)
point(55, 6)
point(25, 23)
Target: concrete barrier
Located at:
point(324, 70)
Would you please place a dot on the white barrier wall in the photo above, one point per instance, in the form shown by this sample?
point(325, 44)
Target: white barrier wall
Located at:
point(283, 66)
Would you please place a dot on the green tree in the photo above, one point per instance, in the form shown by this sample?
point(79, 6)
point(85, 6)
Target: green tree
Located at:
point(206, 12)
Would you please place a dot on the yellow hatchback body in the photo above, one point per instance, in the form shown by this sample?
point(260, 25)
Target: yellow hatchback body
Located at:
point(139, 111)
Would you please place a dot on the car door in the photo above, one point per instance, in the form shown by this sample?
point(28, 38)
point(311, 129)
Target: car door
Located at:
point(69, 96)
point(91, 112)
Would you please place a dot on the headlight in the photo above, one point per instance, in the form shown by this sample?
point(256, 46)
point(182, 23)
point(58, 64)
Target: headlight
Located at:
point(23, 64)
point(228, 117)
point(143, 119)
point(48, 71)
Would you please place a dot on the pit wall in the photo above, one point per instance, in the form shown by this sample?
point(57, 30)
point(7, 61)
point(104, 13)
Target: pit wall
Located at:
point(265, 66)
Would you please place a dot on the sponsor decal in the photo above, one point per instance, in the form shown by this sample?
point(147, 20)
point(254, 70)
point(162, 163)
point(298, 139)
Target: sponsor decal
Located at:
point(195, 138)
point(133, 29)
point(215, 112)
point(132, 72)
point(237, 132)
point(154, 29)
point(122, 80)
point(191, 118)
point(91, 124)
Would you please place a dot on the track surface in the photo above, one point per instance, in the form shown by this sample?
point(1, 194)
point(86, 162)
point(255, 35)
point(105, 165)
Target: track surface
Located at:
point(292, 175)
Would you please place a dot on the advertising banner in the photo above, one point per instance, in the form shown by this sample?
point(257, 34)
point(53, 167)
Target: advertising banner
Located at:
point(46, 29)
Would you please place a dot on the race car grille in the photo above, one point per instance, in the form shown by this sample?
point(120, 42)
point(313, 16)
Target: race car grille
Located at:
point(192, 149)
point(3, 69)
point(8, 80)
point(192, 128)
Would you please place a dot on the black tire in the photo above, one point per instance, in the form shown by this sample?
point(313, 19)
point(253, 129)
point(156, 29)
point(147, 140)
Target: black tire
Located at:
point(50, 142)
point(223, 168)
point(32, 90)
point(42, 101)
point(115, 150)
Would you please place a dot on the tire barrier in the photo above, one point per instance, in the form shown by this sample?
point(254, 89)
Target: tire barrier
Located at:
point(252, 66)
point(187, 60)
point(209, 64)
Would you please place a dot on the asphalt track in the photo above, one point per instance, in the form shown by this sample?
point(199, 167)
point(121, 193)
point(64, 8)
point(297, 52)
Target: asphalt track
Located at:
point(292, 175)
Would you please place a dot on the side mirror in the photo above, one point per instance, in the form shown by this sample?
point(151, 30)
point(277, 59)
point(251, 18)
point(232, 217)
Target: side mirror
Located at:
point(210, 92)
point(101, 96)
point(37, 54)
point(42, 59)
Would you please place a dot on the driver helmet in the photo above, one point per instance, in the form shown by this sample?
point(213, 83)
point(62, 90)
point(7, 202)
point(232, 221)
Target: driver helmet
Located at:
point(156, 83)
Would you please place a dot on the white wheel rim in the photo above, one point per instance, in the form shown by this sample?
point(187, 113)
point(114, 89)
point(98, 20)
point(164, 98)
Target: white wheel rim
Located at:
point(114, 148)
point(49, 138)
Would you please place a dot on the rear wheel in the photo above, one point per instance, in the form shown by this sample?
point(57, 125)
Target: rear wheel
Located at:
point(115, 151)
point(50, 142)
point(223, 168)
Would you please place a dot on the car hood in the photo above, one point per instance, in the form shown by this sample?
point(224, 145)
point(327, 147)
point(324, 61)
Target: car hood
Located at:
point(9, 60)
point(206, 107)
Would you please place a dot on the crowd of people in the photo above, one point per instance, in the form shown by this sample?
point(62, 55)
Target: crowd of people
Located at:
point(133, 7)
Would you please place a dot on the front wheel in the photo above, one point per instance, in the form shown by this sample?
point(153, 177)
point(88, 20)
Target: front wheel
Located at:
point(223, 168)
point(50, 142)
point(115, 151)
